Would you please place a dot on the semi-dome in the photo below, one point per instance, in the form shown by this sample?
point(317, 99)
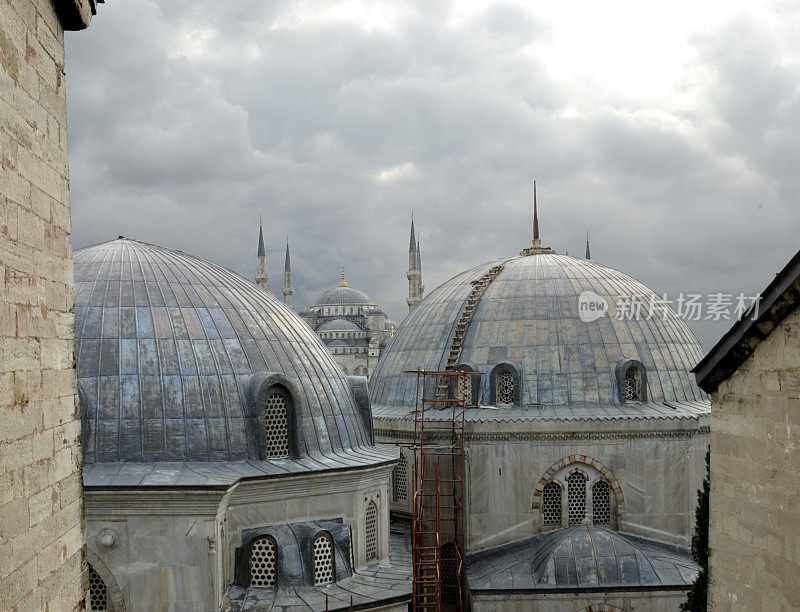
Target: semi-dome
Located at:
point(339, 325)
point(174, 354)
point(342, 295)
point(528, 321)
point(581, 557)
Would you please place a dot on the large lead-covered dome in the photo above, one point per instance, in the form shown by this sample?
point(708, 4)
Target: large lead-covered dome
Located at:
point(528, 318)
point(169, 347)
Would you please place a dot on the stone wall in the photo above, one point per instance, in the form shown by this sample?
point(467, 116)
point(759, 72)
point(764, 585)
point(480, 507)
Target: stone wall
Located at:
point(755, 470)
point(652, 601)
point(41, 533)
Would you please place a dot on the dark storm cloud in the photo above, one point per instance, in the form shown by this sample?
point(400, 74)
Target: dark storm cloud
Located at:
point(187, 121)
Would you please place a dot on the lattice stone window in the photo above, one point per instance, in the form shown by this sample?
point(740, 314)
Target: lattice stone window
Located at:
point(371, 530)
point(276, 429)
point(576, 498)
point(633, 384)
point(98, 594)
point(601, 503)
point(505, 387)
point(465, 389)
point(323, 560)
point(551, 504)
point(262, 562)
point(401, 479)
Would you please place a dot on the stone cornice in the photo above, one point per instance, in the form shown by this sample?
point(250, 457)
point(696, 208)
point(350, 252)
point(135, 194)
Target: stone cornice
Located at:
point(75, 14)
point(388, 436)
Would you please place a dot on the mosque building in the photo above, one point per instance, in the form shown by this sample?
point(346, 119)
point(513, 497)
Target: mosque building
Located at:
point(353, 327)
point(584, 437)
point(228, 462)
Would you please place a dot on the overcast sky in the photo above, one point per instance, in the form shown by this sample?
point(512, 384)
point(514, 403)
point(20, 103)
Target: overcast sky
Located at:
point(670, 131)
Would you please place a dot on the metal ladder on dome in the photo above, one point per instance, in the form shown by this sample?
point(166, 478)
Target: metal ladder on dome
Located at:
point(462, 325)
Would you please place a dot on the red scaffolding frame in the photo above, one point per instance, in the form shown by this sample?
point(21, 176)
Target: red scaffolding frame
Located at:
point(438, 490)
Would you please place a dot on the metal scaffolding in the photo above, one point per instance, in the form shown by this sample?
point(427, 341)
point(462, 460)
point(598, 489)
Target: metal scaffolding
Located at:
point(438, 491)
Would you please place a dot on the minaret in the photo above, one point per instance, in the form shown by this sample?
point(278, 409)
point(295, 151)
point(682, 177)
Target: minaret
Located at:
point(288, 291)
point(588, 255)
point(261, 277)
point(414, 273)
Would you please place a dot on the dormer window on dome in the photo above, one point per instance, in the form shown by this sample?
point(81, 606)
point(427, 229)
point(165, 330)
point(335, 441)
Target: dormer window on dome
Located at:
point(324, 566)
point(504, 385)
point(631, 381)
point(276, 425)
point(263, 561)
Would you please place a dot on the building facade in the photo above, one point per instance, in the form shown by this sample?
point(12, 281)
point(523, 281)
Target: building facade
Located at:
point(228, 462)
point(41, 509)
point(354, 328)
point(584, 440)
point(753, 376)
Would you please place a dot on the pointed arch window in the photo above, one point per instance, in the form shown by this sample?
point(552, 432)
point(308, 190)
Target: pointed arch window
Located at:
point(371, 531)
point(551, 504)
point(401, 479)
point(505, 387)
point(633, 384)
point(601, 503)
point(576, 497)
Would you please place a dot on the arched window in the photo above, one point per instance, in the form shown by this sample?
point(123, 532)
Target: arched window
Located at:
point(576, 498)
point(601, 503)
point(401, 479)
point(371, 531)
point(323, 560)
point(551, 504)
point(505, 387)
point(449, 567)
point(263, 555)
point(633, 384)
point(98, 594)
point(276, 426)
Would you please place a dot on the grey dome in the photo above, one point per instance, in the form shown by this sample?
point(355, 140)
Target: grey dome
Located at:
point(343, 325)
point(342, 295)
point(528, 317)
point(168, 346)
point(580, 557)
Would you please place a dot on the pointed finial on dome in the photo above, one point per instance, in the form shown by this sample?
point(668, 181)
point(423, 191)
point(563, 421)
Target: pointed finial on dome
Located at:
point(344, 282)
point(537, 244)
point(588, 254)
point(391, 334)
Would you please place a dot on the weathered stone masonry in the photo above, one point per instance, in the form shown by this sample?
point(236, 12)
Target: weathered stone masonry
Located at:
point(41, 525)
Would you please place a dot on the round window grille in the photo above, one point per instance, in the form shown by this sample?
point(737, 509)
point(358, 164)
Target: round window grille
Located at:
point(401, 480)
point(576, 498)
point(371, 529)
point(505, 387)
point(277, 426)
point(262, 562)
point(601, 503)
point(551, 504)
point(633, 385)
point(98, 594)
point(323, 560)
point(465, 389)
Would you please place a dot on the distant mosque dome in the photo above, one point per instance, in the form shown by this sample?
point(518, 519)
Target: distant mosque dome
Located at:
point(339, 325)
point(342, 295)
point(173, 352)
point(528, 323)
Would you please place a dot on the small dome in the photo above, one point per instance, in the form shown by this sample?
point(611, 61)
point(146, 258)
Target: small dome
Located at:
point(580, 557)
point(342, 296)
point(343, 325)
point(167, 346)
point(529, 317)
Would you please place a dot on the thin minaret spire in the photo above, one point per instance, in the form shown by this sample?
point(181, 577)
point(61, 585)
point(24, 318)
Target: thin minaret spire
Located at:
point(288, 290)
point(588, 254)
point(537, 244)
point(261, 276)
point(414, 274)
